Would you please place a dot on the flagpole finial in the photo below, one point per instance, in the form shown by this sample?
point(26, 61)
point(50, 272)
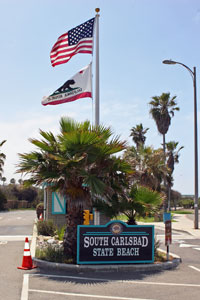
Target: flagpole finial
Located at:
point(97, 10)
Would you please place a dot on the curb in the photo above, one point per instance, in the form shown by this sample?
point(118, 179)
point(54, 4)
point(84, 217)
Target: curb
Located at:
point(110, 268)
point(175, 229)
point(34, 239)
point(158, 226)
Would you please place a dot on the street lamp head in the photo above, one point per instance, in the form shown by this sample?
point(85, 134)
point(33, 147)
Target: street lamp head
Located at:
point(169, 62)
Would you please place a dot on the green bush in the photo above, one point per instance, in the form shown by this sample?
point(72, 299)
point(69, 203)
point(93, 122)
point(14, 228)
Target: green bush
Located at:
point(187, 203)
point(51, 254)
point(60, 232)
point(182, 212)
point(46, 227)
point(158, 256)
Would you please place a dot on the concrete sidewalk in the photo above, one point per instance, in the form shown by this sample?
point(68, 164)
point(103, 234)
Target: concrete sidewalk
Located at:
point(183, 223)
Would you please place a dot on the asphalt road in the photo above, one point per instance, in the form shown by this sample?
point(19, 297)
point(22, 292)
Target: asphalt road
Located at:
point(17, 222)
point(14, 227)
point(178, 284)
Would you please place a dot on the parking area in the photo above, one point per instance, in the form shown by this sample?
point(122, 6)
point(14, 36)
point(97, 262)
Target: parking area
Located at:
point(68, 287)
point(137, 286)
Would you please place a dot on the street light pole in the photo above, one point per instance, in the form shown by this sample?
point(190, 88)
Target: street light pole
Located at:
point(193, 75)
point(196, 222)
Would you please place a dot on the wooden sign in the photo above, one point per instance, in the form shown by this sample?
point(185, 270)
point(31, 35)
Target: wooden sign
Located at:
point(115, 243)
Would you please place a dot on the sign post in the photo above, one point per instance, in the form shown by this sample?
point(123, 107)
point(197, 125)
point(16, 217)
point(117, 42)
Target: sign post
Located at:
point(168, 231)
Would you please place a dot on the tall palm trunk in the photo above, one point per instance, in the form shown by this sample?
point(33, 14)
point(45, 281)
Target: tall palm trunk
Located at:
point(169, 197)
point(74, 218)
point(164, 146)
point(165, 181)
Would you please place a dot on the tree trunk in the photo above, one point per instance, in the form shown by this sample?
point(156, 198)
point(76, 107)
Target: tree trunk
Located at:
point(170, 165)
point(164, 146)
point(165, 182)
point(131, 222)
point(169, 197)
point(74, 218)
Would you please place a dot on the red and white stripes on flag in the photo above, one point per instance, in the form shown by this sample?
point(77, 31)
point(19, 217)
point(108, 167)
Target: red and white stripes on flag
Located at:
point(76, 40)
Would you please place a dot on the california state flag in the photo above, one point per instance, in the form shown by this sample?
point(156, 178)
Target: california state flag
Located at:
point(79, 86)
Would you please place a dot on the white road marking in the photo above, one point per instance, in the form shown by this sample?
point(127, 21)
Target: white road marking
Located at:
point(19, 218)
point(14, 237)
point(3, 242)
point(195, 268)
point(163, 283)
point(178, 241)
point(86, 295)
point(187, 245)
point(24, 294)
point(197, 249)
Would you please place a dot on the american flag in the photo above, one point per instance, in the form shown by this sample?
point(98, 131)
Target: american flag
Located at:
point(76, 40)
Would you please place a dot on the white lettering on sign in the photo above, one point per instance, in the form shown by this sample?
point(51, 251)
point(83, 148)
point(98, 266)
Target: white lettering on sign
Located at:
point(95, 241)
point(103, 252)
point(129, 241)
point(127, 251)
point(90, 241)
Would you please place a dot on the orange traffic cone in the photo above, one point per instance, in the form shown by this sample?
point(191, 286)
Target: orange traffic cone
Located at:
point(27, 263)
point(41, 218)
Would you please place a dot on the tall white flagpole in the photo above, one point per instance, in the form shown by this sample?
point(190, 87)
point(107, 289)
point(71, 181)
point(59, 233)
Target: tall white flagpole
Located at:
point(97, 68)
point(97, 214)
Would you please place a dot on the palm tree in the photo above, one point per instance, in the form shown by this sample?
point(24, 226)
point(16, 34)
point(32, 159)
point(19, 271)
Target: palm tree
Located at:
point(162, 109)
point(139, 201)
point(148, 166)
point(12, 181)
point(138, 135)
point(79, 163)
point(2, 158)
point(3, 179)
point(173, 154)
point(20, 181)
point(172, 158)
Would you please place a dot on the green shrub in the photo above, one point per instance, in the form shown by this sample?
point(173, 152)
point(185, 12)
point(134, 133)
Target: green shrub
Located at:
point(182, 212)
point(53, 254)
point(157, 254)
point(46, 227)
point(158, 216)
point(187, 203)
point(50, 253)
point(160, 257)
point(60, 232)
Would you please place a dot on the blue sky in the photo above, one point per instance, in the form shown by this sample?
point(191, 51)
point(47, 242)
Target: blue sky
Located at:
point(135, 37)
